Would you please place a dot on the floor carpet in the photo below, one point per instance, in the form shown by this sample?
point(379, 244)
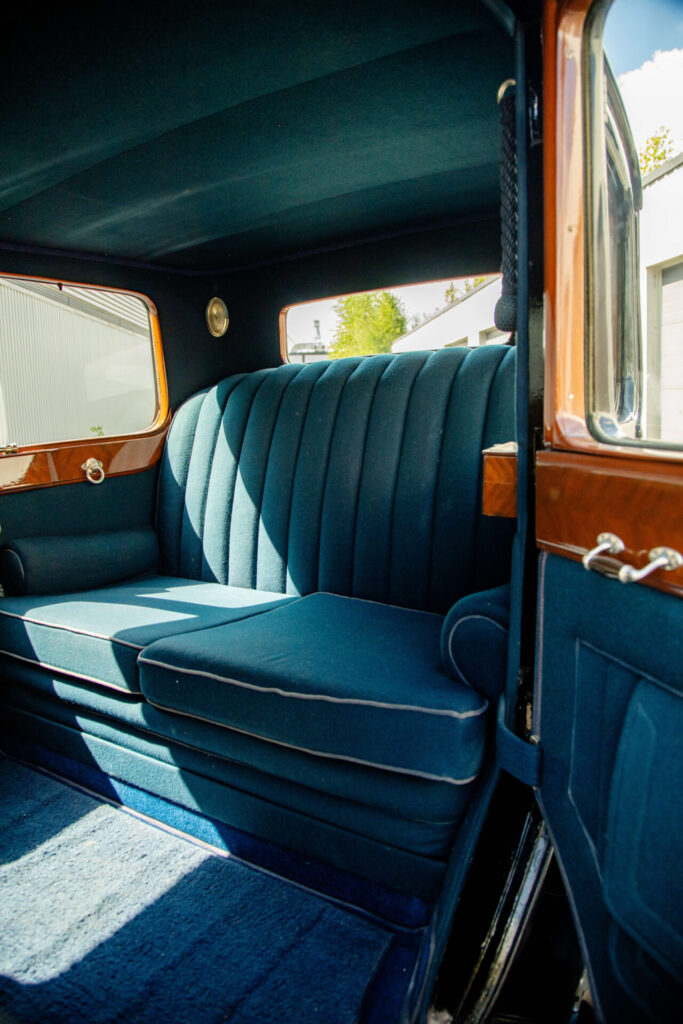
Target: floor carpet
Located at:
point(107, 919)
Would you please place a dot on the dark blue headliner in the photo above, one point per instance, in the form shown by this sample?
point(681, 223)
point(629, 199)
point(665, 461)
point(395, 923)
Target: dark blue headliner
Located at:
point(209, 135)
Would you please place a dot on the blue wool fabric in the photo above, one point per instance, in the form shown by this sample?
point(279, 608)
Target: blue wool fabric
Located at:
point(330, 675)
point(357, 476)
point(474, 640)
point(285, 674)
point(610, 716)
point(97, 635)
point(286, 775)
point(58, 565)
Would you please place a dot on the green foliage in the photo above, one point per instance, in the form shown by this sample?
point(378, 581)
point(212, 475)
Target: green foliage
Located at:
point(656, 151)
point(473, 282)
point(366, 324)
point(97, 431)
point(453, 293)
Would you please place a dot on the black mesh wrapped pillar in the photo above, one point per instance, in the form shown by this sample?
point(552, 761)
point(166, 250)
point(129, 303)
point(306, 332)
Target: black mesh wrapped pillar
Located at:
point(505, 316)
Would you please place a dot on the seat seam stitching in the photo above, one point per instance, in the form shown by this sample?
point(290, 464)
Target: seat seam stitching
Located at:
point(398, 473)
point(288, 383)
point(304, 419)
point(325, 754)
point(73, 675)
point(73, 629)
point(237, 458)
point(327, 471)
point(324, 698)
point(430, 582)
point(361, 473)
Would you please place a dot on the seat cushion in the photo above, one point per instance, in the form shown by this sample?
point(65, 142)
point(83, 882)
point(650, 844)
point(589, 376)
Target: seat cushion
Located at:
point(97, 635)
point(334, 676)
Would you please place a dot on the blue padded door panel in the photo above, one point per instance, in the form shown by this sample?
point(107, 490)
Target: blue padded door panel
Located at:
point(609, 713)
point(643, 876)
point(602, 689)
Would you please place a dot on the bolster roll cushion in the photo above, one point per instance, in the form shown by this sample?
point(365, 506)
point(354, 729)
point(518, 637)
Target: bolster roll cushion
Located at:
point(474, 640)
point(58, 565)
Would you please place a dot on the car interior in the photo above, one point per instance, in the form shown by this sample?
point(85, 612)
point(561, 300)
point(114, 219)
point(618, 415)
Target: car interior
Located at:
point(272, 631)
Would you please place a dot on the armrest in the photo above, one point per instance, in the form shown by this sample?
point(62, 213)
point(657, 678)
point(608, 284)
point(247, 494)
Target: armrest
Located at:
point(55, 565)
point(474, 640)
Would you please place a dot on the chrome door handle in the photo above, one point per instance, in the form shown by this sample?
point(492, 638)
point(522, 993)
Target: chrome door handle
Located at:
point(660, 558)
point(608, 544)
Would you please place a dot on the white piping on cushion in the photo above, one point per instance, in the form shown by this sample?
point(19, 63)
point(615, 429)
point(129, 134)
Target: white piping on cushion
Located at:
point(317, 753)
point(315, 696)
point(73, 675)
point(465, 618)
point(73, 629)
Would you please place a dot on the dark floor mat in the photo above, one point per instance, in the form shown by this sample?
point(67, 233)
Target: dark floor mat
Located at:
point(105, 918)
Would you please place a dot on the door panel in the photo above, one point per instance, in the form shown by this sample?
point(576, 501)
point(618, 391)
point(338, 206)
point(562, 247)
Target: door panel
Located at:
point(119, 503)
point(608, 706)
point(609, 712)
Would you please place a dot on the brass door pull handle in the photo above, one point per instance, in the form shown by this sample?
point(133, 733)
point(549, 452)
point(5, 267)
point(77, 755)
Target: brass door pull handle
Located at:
point(94, 471)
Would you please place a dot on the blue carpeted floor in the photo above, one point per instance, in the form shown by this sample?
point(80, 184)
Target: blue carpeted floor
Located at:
point(105, 918)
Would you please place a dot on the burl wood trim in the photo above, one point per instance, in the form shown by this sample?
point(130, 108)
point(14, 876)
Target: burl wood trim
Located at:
point(580, 496)
point(49, 466)
point(564, 186)
point(499, 493)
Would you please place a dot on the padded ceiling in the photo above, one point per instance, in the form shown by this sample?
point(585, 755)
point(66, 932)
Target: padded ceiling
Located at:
point(207, 135)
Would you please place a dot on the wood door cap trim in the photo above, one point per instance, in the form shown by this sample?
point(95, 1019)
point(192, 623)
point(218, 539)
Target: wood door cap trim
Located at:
point(580, 496)
point(51, 465)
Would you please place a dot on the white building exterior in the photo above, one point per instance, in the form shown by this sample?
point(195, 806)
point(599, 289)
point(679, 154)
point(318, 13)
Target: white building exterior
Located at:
point(74, 362)
point(661, 285)
point(467, 321)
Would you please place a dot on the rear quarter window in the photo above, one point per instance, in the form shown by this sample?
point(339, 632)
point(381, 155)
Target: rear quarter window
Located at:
point(419, 317)
point(75, 363)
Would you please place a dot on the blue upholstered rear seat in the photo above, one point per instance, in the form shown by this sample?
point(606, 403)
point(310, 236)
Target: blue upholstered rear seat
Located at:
point(315, 524)
point(358, 477)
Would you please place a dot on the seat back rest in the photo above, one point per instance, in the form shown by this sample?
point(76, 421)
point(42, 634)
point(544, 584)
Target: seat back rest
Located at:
point(360, 476)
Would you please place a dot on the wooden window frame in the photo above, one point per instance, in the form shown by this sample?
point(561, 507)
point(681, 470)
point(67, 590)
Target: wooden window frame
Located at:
point(583, 485)
point(60, 462)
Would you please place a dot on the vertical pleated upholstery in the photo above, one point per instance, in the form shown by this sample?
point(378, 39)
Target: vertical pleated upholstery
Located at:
point(359, 477)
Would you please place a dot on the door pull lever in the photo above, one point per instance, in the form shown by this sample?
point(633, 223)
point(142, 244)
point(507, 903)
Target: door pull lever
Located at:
point(660, 558)
point(608, 544)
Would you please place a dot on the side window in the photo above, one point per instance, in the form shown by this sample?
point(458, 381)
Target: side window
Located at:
point(438, 314)
point(75, 362)
point(634, 218)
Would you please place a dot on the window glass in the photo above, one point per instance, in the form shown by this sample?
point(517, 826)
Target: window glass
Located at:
point(635, 224)
point(75, 362)
point(425, 317)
